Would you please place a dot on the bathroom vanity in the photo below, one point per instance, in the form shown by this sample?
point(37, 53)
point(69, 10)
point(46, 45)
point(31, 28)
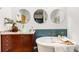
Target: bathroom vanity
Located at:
point(17, 42)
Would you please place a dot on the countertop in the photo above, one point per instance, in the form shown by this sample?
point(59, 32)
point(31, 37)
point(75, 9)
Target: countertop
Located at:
point(3, 33)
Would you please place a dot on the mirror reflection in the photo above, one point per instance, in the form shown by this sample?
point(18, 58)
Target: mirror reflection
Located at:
point(24, 16)
point(40, 16)
point(57, 16)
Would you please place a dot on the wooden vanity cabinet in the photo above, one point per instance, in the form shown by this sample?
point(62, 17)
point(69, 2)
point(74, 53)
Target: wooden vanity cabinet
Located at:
point(17, 43)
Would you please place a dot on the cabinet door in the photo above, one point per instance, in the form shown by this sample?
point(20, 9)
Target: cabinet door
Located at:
point(17, 43)
point(6, 43)
point(27, 42)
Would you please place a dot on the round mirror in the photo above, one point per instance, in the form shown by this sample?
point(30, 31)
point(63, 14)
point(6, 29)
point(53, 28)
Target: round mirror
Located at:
point(57, 16)
point(40, 16)
point(24, 16)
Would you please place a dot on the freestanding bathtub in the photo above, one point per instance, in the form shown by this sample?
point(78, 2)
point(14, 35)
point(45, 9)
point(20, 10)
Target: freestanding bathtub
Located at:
point(52, 44)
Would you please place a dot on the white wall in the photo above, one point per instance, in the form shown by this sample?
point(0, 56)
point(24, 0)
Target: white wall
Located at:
point(73, 23)
point(4, 12)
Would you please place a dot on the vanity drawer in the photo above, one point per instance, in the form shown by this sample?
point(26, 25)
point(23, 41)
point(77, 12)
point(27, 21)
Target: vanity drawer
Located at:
point(6, 43)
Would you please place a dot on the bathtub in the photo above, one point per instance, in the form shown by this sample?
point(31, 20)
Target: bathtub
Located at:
point(52, 44)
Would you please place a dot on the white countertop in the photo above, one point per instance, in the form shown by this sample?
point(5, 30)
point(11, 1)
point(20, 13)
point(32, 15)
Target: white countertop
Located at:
point(3, 33)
